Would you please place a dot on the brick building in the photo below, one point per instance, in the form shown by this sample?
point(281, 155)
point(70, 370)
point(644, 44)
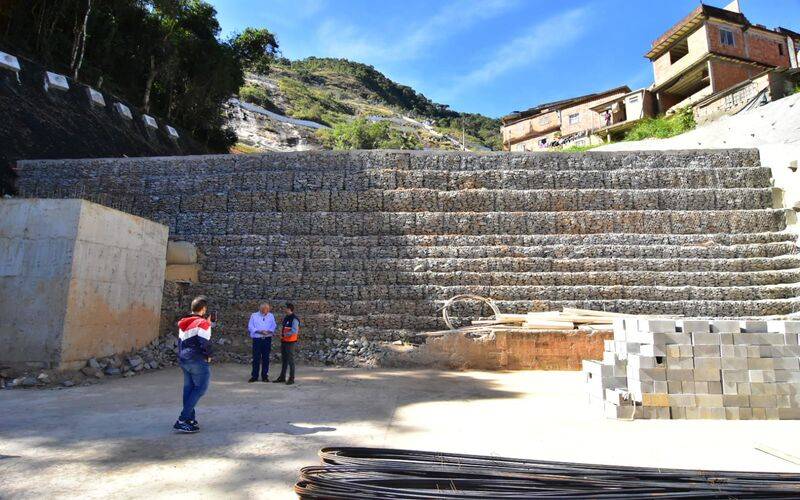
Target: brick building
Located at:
point(711, 50)
point(566, 122)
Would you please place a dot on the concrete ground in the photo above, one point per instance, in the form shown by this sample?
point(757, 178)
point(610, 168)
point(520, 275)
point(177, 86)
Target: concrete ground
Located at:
point(115, 439)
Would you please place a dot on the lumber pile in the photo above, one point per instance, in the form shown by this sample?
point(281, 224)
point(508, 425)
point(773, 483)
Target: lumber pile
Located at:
point(567, 319)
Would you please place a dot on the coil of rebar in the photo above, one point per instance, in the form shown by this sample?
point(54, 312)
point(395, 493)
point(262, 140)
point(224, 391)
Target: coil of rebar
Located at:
point(375, 473)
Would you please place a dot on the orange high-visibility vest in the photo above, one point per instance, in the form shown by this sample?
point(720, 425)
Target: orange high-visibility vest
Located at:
point(286, 331)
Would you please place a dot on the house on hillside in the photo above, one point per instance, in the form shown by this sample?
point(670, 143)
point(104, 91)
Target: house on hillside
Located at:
point(578, 121)
point(713, 49)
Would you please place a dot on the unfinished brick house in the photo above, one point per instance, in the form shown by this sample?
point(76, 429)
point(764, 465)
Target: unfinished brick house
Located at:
point(713, 49)
point(566, 122)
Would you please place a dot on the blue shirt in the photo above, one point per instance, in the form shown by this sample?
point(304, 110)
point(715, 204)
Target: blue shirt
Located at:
point(260, 322)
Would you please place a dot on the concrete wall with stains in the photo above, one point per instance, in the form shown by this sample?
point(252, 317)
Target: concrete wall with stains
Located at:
point(77, 280)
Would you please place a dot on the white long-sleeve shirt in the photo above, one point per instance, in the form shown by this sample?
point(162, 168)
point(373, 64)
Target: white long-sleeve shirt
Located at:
point(259, 322)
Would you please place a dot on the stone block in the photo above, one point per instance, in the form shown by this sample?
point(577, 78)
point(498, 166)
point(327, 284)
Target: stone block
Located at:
point(743, 388)
point(732, 413)
point(172, 132)
point(686, 350)
point(707, 351)
point(680, 363)
point(789, 413)
point(682, 400)
point(760, 364)
point(745, 414)
point(752, 326)
point(761, 375)
point(729, 387)
point(95, 98)
point(734, 364)
point(652, 350)
point(735, 400)
point(673, 351)
point(763, 401)
point(675, 375)
point(55, 81)
point(707, 375)
point(709, 400)
point(705, 339)
point(759, 388)
point(758, 339)
point(733, 351)
point(661, 400)
point(703, 363)
point(784, 327)
point(694, 326)
point(150, 122)
point(725, 326)
point(715, 387)
point(123, 110)
point(9, 62)
point(792, 376)
point(656, 326)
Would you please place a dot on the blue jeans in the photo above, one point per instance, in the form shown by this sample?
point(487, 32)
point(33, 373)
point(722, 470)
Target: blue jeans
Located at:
point(261, 350)
point(196, 376)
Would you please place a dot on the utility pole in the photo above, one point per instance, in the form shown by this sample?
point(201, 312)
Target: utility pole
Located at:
point(463, 135)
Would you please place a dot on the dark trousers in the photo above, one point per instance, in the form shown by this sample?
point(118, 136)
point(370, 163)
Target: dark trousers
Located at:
point(196, 376)
point(261, 350)
point(287, 359)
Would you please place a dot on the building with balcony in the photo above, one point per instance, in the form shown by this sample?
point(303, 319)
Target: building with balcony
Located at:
point(711, 50)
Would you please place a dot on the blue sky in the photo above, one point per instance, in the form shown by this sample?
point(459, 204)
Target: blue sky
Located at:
point(486, 56)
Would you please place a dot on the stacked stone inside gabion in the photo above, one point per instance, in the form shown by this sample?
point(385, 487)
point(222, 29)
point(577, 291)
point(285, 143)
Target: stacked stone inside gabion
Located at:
point(374, 241)
point(698, 369)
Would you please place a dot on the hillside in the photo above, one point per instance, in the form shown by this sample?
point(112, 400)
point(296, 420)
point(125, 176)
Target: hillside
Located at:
point(331, 92)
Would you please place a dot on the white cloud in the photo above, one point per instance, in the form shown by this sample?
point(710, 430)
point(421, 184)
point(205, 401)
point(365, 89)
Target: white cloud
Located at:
point(543, 40)
point(344, 40)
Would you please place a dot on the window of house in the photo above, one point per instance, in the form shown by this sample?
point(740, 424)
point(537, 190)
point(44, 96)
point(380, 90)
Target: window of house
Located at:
point(726, 37)
point(780, 49)
point(678, 50)
point(632, 99)
point(574, 118)
point(544, 120)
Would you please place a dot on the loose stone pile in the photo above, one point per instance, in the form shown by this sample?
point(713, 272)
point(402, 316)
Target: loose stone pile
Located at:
point(375, 241)
point(698, 369)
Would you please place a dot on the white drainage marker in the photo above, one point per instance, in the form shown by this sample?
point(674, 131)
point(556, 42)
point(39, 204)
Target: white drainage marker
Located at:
point(55, 81)
point(149, 121)
point(123, 110)
point(172, 132)
point(95, 97)
point(7, 61)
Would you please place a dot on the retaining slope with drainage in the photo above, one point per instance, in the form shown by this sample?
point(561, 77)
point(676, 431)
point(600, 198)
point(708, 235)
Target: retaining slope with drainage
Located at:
point(375, 239)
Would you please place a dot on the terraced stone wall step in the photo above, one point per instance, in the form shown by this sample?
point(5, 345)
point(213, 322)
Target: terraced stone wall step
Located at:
point(394, 160)
point(476, 200)
point(262, 183)
point(448, 240)
point(301, 251)
point(466, 223)
point(499, 278)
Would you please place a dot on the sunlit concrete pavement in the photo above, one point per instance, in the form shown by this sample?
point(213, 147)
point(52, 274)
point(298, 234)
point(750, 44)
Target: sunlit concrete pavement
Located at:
point(116, 439)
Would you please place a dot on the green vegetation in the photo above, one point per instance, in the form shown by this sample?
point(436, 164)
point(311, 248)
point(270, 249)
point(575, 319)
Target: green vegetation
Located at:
point(164, 55)
point(307, 103)
point(796, 90)
point(578, 149)
point(363, 134)
point(366, 91)
point(662, 127)
point(256, 49)
point(256, 94)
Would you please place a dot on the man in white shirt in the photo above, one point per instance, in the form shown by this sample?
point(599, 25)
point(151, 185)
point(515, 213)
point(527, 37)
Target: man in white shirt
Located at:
point(261, 327)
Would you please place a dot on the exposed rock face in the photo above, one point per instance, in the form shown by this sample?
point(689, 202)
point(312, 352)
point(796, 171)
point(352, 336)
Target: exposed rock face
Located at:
point(367, 243)
point(265, 131)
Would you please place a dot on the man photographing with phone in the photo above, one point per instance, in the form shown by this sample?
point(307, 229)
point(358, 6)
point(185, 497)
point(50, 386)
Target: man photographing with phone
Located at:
point(194, 356)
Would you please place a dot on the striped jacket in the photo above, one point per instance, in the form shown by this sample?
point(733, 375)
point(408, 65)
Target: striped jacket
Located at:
point(194, 334)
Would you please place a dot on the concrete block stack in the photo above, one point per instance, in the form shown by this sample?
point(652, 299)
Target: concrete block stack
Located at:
point(698, 369)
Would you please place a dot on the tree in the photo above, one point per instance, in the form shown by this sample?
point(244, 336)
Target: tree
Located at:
point(256, 48)
point(362, 134)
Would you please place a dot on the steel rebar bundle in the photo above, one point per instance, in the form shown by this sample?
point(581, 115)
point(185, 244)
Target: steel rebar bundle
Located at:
point(374, 473)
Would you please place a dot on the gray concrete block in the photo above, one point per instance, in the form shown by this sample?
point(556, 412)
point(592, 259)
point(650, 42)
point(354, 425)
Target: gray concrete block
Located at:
point(731, 413)
point(673, 351)
point(733, 351)
point(660, 387)
point(715, 387)
point(682, 400)
point(676, 375)
point(745, 414)
point(734, 363)
point(760, 364)
point(743, 388)
point(790, 376)
point(701, 388)
point(687, 350)
point(789, 413)
point(784, 327)
point(761, 375)
point(680, 363)
point(656, 326)
point(677, 413)
point(760, 388)
point(738, 400)
point(705, 339)
point(763, 401)
point(751, 339)
point(772, 414)
point(735, 376)
point(786, 363)
point(725, 326)
point(652, 350)
point(694, 326)
point(729, 387)
point(752, 326)
point(707, 351)
point(707, 374)
point(674, 386)
point(709, 400)
point(703, 363)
